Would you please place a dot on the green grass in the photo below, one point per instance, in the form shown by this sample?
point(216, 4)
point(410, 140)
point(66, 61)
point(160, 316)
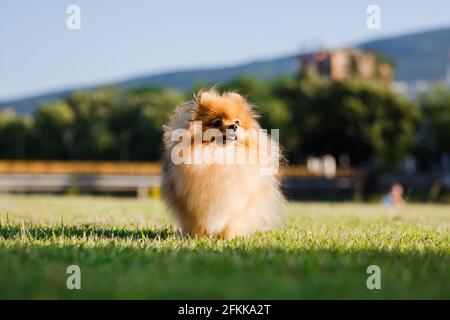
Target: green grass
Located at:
point(128, 248)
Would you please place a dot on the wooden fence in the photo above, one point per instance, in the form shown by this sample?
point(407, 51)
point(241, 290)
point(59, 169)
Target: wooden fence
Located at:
point(126, 168)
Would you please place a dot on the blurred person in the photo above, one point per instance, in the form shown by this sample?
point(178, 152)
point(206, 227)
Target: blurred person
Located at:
point(394, 199)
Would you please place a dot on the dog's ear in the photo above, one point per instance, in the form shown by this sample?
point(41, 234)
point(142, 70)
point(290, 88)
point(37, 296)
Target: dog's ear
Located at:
point(236, 97)
point(198, 96)
point(205, 98)
point(199, 103)
point(204, 103)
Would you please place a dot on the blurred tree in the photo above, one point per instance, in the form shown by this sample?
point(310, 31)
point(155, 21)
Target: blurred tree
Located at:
point(54, 123)
point(363, 120)
point(315, 116)
point(298, 94)
point(15, 135)
point(138, 123)
point(104, 124)
point(92, 137)
point(434, 136)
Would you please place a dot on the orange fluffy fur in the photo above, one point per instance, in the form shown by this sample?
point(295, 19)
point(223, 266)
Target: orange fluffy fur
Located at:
point(220, 199)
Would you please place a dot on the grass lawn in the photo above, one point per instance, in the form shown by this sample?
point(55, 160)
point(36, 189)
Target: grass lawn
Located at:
point(128, 248)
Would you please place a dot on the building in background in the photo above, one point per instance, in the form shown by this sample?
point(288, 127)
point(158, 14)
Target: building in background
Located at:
point(338, 64)
point(344, 63)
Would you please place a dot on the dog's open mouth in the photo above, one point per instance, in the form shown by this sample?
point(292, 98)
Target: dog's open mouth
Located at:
point(225, 138)
point(229, 137)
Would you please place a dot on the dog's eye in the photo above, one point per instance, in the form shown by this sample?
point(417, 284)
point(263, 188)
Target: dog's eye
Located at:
point(238, 122)
point(217, 123)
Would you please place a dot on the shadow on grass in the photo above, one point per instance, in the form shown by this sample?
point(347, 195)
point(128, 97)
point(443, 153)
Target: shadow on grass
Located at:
point(83, 231)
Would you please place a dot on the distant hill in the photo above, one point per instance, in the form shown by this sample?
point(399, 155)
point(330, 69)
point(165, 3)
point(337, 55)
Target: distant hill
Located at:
point(183, 80)
point(418, 56)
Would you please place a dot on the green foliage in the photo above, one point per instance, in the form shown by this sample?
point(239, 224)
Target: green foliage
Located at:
point(315, 115)
point(436, 110)
point(105, 124)
point(53, 125)
point(16, 140)
point(363, 120)
point(138, 125)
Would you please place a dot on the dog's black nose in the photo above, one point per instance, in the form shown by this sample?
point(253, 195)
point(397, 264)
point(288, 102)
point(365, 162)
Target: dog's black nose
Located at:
point(233, 127)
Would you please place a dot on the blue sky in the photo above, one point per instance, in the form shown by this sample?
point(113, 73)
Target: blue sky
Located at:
point(122, 39)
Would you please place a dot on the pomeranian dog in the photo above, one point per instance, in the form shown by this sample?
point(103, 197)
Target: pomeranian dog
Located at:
point(219, 169)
